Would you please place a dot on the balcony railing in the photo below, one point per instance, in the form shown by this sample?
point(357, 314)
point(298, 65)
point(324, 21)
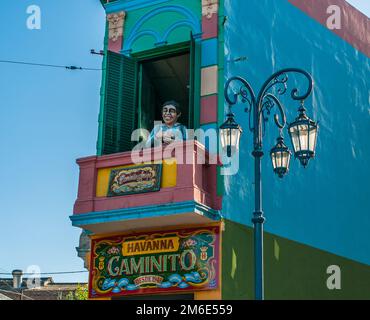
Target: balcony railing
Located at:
point(188, 192)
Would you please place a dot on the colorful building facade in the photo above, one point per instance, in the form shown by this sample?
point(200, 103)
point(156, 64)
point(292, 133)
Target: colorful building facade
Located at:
point(171, 224)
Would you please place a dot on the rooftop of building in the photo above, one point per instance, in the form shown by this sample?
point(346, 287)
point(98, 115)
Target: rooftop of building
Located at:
point(43, 288)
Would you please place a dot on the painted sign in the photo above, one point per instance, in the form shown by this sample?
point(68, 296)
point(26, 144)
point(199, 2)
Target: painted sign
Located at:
point(155, 262)
point(138, 179)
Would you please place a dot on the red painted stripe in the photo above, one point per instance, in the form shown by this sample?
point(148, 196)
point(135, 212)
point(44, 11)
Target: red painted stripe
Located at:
point(355, 26)
point(208, 111)
point(210, 27)
point(115, 46)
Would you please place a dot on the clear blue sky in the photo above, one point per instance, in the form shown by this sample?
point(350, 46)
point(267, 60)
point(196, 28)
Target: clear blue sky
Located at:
point(48, 119)
point(362, 5)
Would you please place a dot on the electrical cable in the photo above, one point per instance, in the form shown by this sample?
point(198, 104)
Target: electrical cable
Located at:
point(49, 65)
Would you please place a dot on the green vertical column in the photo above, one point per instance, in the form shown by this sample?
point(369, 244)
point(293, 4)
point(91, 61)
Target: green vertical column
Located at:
point(99, 143)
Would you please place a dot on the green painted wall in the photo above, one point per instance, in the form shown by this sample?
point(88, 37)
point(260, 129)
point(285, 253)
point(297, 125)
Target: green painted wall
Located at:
point(292, 270)
point(237, 255)
point(160, 23)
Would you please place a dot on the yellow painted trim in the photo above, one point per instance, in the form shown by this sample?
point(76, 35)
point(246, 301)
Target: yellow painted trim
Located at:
point(169, 176)
point(172, 244)
point(208, 295)
point(87, 259)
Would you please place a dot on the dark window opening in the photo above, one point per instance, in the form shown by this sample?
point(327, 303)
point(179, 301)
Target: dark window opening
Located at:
point(135, 89)
point(162, 80)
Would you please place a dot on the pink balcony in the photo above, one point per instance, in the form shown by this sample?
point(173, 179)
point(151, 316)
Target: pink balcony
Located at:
point(195, 183)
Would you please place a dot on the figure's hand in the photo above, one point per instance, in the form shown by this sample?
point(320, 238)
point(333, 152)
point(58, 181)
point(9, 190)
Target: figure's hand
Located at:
point(167, 138)
point(159, 135)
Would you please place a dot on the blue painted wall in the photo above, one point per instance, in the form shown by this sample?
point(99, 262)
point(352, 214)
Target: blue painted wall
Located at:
point(326, 205)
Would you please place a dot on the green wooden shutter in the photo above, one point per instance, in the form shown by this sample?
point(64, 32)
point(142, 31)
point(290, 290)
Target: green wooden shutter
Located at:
point(120, 103)
point(195, 74)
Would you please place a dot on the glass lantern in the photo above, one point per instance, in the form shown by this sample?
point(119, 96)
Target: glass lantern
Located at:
point(303, 134)
point(280, 157)
point(230, 133)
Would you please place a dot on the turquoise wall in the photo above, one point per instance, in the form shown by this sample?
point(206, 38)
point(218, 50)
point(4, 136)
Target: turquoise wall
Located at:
point(326, 205)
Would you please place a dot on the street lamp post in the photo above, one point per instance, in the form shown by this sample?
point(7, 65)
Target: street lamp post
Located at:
point(303, 133)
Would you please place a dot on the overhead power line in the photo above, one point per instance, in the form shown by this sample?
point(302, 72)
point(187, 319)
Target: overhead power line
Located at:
point(49, 65)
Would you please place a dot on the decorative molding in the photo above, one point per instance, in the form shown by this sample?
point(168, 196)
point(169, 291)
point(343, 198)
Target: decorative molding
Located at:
point(116, 22)
point(209, 8)
point(161, 44)
point(84, 246)
point(190, 21)
point(161, 210)
point(127, 52)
